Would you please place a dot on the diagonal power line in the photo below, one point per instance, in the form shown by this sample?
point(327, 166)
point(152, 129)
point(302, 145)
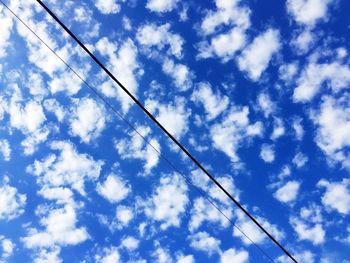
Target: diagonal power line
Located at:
point(159, 125)
point(189, 182)
point(189, 155)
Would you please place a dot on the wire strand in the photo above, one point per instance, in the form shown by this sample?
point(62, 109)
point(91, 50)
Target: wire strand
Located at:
point(209, 199)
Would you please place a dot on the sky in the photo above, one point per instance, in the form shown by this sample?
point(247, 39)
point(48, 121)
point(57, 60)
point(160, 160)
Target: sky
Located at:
point(256, 90)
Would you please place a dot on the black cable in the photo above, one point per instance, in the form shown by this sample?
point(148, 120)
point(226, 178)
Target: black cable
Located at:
point(163, 128)
point(154, 119)
point(200, 191)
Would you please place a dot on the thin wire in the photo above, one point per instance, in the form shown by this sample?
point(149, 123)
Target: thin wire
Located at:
point(199, 165)
point(204, 194)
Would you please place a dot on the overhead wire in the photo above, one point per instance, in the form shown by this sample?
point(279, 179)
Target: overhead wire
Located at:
point(209, 199)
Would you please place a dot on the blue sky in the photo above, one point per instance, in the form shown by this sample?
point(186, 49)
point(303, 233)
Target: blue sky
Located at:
point(256, 90)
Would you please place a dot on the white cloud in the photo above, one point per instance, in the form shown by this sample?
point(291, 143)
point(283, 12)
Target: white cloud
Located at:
point(252, 231)
point(235, 128)
point(11, 202)
point(168, 202)
point(204, 242)
point(288, 192)
point(266, 105)
point(68, 168)
point(335, 74)
point(233, 255)
point(5, 32)
point(223, 45)
point(152, 35)
point(48, 255)
point(287, 72)
point(7, 247)
point(180, 73)
point(130, 243)
point(185, 259)
point(124, 215)
point(337, 195)
point(315, 234)
point(334, 142)
point(304, 256)
point(109, 255)
point(5, 149)
point(107, 7)
point(298, 128)
point(114, 188)
point(173, 116)
point(203, 211)
point(124, 65)
point(87, 119)
point(161, 6)
point(60, 229)
point(308, 12)
point(278, 129)
point(137, 148)
point(267, 153)
point(52, 105)
point(303, 42)
point(300, 160)
point(256, 57)
point(214, 103)
point(67, 82)
point(161, 255)
point(29, 118)
point(229, 12)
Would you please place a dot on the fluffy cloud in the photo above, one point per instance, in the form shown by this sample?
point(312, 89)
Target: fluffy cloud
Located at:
point(335, 143)
point(50, 255)
point(7, 247)
point(256, 57)
point(5, 32)
point(67, 82)
point(124, 215)
point(233, 255)
point(152, 35)
point(223, 45)
point(69, 168)
point(168, 202)
point(266, 105)
point(130, 243)
point(180, 73)
point(228, 12)
point(60, 229)
point(213, 103)
point(204, 242)
point(203, 211)
point(235, 128)
point(288, 192)
point(114, 188)
point(87, 119)
point(299, 160)
point(337, 195)
point(252, 231)
point(308, 12)
point(11, 202)
point(315, 234)
point(109, 255)
point(107, 6)
point(137, 148)
point(161, 6)
point(335, 74)
point(29, 118)
point(124, 65)
point(5, 149)
point(173, 116)
point(267, 153)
